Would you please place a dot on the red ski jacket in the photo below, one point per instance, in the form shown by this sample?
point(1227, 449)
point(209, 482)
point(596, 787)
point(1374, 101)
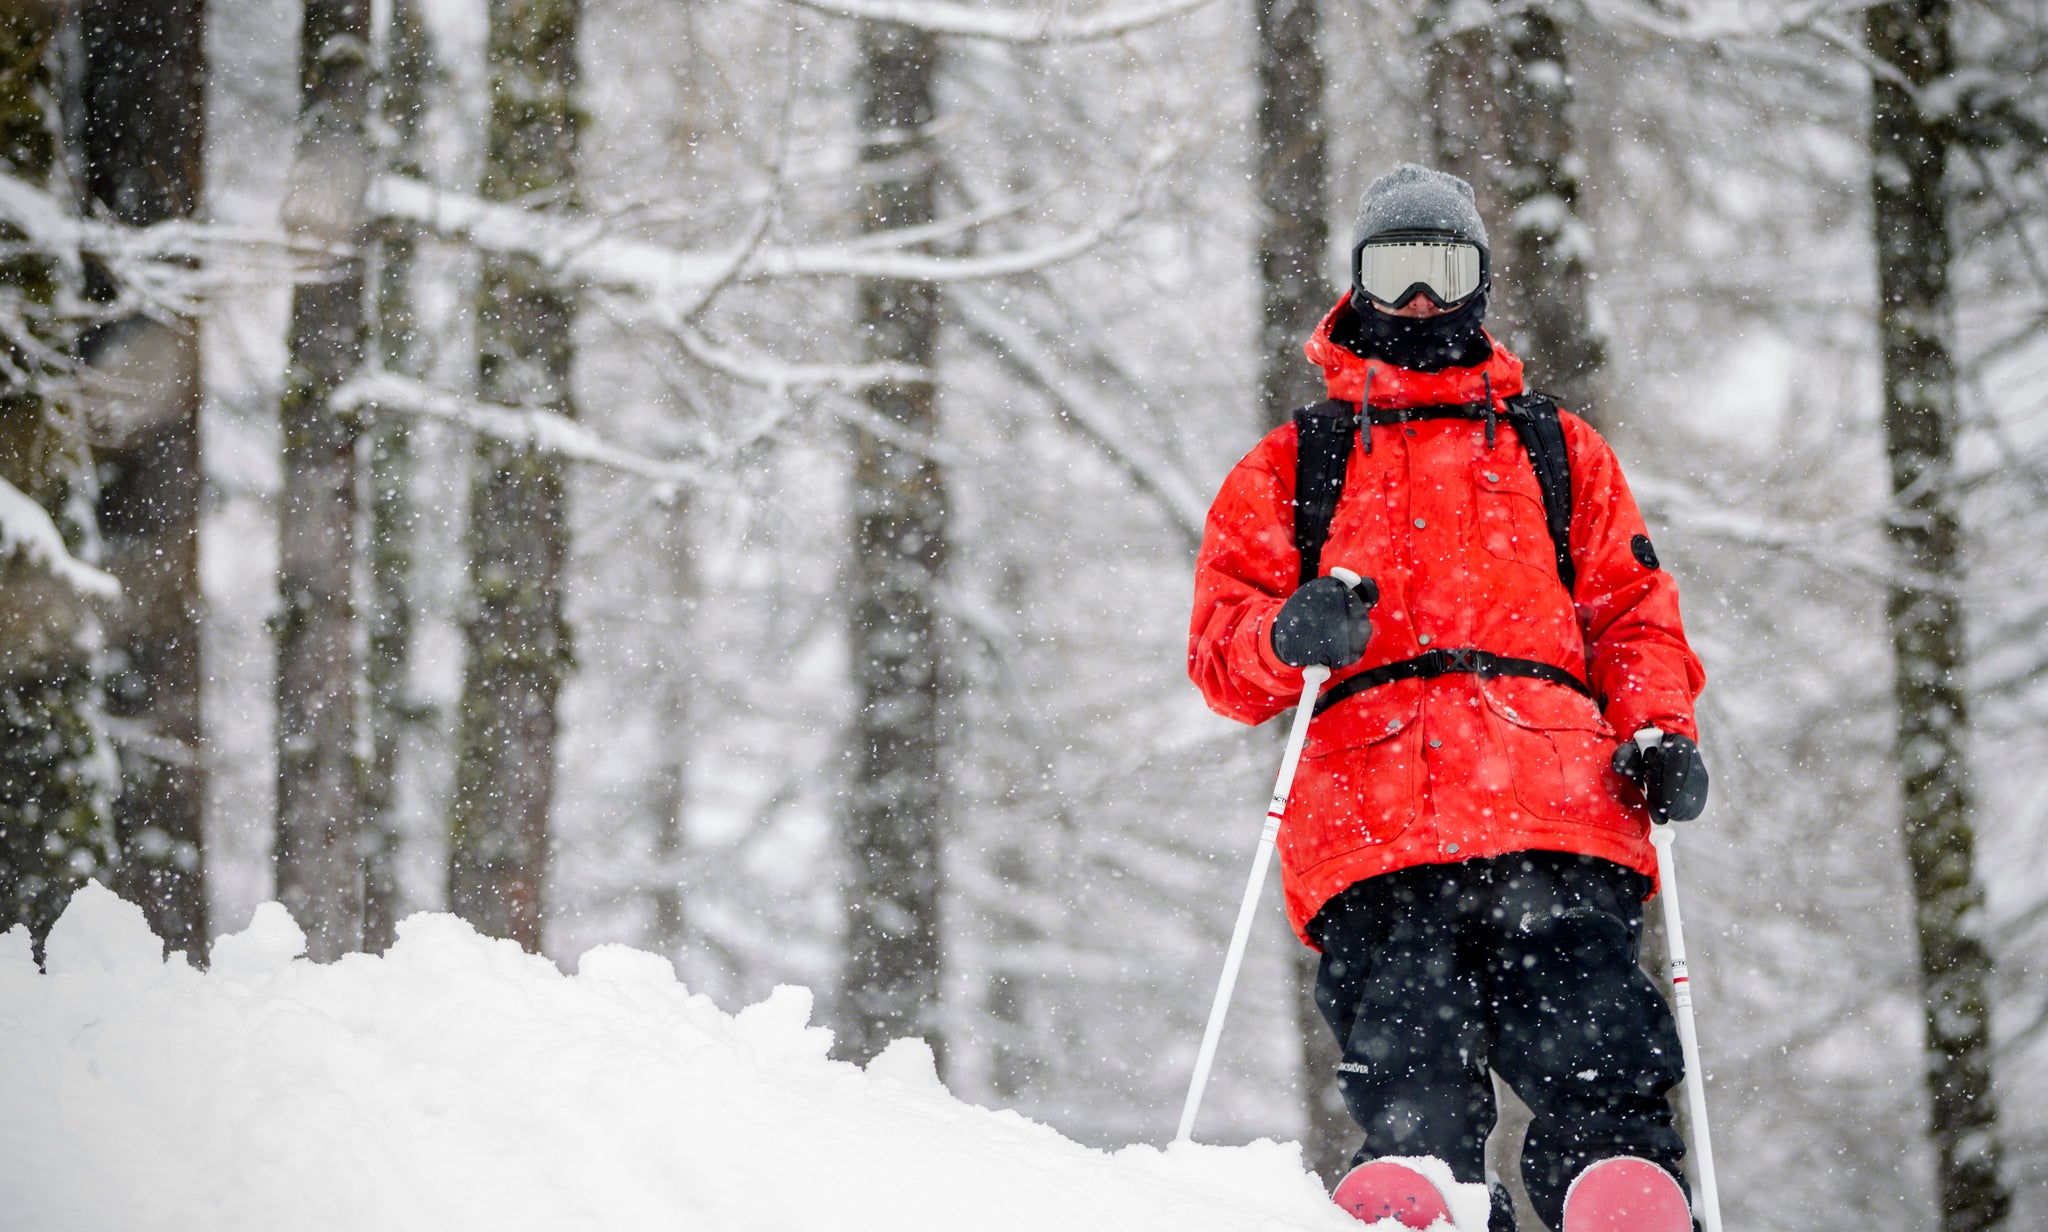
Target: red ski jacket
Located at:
point(1451, 767)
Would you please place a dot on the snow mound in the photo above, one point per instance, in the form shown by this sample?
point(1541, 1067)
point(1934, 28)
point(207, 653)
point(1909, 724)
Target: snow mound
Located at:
point(458, 1082)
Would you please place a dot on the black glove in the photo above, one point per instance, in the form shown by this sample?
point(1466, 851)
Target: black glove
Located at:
point(1325, 622)
point(1669, 769)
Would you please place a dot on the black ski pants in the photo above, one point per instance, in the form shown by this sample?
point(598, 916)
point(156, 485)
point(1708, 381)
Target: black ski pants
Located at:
point(1525, 964)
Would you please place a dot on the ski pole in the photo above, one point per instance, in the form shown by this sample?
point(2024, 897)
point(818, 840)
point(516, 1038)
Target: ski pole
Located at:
point(1312, 679)
point(1688, 1036)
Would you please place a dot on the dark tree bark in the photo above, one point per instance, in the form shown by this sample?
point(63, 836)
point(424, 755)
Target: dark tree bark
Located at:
point(1499, 102)
point(142, 131)
point(889, 985)
point(519, 535)
point(668, 929)
point(1295, 291)
point(319, 864)
point(1909, 157)
point(401, 348)
point(1294, 245)
point(55, 814)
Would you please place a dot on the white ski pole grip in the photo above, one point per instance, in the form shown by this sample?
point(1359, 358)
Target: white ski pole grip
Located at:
point(1709, 1198)
point(1312, 679)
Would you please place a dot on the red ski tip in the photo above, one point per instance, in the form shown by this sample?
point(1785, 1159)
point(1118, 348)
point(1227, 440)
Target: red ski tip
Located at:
point(1625, 1194)
point(1382, 1189)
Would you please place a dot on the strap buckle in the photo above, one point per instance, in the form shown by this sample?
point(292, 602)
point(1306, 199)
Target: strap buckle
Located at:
point(1463, 659)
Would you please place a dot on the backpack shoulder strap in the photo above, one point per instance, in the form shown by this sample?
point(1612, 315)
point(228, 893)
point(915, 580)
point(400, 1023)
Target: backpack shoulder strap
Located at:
point(1327, 431)
point(1534, 416)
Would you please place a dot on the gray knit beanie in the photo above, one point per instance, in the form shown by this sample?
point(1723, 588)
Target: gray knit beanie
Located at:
point(1412, 198)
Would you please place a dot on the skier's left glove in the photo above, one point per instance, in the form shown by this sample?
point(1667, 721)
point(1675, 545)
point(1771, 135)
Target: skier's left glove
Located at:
point(1669, 769)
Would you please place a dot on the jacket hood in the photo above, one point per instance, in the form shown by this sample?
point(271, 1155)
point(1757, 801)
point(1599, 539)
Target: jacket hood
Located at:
point(1393, 387)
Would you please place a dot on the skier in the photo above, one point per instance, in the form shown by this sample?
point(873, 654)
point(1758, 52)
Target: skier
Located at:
point(1511, 702)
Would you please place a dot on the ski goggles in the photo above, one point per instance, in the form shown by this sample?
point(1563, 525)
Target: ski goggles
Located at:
point(1392, 270)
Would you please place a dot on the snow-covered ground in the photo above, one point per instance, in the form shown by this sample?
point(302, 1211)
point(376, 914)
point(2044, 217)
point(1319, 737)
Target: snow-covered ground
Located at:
point(458, 1082)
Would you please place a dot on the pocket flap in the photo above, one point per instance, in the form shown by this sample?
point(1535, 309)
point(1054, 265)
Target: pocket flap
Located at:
point(1514, 478)
point(1366, 718)
point(1540, 705)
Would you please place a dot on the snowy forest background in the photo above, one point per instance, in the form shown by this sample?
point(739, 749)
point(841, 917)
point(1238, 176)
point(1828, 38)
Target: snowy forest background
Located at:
point(723, 476)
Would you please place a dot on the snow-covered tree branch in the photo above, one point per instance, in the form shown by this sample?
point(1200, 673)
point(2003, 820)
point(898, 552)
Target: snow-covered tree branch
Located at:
point(26, 531)
point(1049, 21)
point(534, 427)
point(588, 249)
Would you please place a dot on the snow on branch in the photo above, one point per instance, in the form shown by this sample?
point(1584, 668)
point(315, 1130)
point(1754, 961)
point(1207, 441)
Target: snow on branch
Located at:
point(45, 225)
point(1025, 352)
point(171, 263)
point(1049, 23)
point(587, 248)
point(1696, 23)
point(27, 531)
point(779, 376)
point(542, 429)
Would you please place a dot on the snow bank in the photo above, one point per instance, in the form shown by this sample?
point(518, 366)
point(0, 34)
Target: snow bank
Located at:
point(458, 1082)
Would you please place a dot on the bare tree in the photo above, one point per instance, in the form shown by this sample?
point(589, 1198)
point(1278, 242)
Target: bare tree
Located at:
point(55, 791)
point(1294, 292)
point(1499, 94)
point(519, 535)
point(141, 129)
point(1910, 140)
point(889, 984)
point(319, 867)
point(1294, 243)
point(407, 64)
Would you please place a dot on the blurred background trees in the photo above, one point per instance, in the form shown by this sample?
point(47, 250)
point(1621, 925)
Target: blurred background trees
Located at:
point(852, 377)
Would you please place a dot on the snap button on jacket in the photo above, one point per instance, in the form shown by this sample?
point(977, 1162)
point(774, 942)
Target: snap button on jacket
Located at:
point(1452, 767)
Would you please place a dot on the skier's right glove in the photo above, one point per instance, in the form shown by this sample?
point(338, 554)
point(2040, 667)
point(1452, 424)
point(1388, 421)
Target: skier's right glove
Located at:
point(1324, 622)
point(1669, 769)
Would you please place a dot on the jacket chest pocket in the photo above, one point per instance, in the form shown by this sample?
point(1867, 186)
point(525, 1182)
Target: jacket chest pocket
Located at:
point(1507, 513)
point(1361, 531)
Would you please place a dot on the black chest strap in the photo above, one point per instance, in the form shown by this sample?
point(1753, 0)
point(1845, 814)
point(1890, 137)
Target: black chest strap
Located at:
point(1443, 663)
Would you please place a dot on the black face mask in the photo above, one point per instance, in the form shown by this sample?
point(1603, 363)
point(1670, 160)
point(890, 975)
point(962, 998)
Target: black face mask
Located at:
point(1425, 344)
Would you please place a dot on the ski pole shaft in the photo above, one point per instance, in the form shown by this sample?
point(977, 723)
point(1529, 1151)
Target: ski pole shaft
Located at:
point(1688, 1036)
point(1312, 679)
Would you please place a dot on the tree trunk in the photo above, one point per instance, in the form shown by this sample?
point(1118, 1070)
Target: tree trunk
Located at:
point(388, 647)
point(1924, 610)
point(1294, 244)
point(142, 134)
point(889, 985)
point(668, 930)
point(55, 797)
point(1499, 101)
point(401, 348)
point(1295, 291)
point(319, 865)
point(519, 532)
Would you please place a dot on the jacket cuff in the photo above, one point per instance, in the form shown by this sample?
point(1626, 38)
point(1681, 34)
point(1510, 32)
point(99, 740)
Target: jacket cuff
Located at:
point(1271, 674)
point(1627, 722)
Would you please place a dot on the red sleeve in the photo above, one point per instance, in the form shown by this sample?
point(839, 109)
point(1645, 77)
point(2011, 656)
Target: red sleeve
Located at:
point(1635, 642)
point(1246, 570)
